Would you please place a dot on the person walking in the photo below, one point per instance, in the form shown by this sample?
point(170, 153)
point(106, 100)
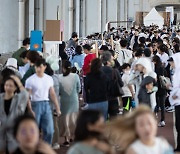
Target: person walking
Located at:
point(108, 62)
point(40, 87)
point(12, 104)
point(162, 92)
point(96, 88)
point(70, 88)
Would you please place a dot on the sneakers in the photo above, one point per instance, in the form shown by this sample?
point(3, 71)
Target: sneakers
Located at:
point(161, 124)
point(84, 106)
point(56, 146)
point(65, 144)
point(170, 109)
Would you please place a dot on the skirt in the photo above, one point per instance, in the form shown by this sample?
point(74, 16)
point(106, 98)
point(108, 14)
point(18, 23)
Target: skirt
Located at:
point(67, 124)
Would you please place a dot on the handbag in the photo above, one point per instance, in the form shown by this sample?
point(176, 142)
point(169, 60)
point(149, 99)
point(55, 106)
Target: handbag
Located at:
point(164, 81)
point(114, 88)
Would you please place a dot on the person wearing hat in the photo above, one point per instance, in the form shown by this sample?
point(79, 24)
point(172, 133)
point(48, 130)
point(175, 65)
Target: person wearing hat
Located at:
point(12, 64)
point(16, 54)
point(174, 97)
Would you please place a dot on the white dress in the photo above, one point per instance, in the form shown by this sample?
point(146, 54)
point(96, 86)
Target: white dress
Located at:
point(161, 146)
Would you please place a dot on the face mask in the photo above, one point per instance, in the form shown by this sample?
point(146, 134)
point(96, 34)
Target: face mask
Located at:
point(133, 31)
point(127, 72)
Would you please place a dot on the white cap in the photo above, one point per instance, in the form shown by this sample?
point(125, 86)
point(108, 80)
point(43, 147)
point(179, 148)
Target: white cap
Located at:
point(11, 62)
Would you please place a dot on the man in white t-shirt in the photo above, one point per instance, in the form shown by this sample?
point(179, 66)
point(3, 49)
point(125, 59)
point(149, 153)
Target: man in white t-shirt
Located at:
point(40, 87)
point(124, 55)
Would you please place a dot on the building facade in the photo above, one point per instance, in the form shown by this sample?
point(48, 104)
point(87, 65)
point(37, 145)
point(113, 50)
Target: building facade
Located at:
point(19, 17)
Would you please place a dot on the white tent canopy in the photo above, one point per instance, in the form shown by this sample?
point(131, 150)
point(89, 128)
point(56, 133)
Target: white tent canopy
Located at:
point(153, 18)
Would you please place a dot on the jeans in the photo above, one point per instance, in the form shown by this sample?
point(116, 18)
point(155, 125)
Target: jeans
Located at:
point(101, 106)
point(44, 119)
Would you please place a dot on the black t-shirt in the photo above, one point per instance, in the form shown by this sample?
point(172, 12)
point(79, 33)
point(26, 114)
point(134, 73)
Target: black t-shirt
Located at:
point(7, 105)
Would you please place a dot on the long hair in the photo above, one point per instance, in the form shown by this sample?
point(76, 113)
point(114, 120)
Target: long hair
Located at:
point(122, 131)
point(84, 119)
point(67, 67)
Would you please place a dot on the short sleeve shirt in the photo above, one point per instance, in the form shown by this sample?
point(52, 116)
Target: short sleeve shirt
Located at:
point(39, 86)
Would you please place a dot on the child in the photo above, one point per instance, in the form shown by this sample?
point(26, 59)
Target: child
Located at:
point(128, 89)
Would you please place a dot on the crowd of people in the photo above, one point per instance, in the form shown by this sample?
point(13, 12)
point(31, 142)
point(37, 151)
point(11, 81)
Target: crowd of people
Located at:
point(101, 96)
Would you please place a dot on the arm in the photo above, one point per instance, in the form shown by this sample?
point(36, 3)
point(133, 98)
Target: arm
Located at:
point(29, 107)
point(18, 82)
point(78, 84)
point(121, 83)
point(104, 147)
point(130, 86)
point(54, 100)
point(24, 94)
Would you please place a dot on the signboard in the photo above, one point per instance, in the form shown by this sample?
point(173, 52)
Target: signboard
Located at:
point(36, 40)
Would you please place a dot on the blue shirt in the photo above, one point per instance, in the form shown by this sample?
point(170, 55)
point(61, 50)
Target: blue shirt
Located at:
point(78, 59)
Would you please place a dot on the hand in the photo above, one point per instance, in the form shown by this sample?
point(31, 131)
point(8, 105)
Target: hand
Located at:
point(45, 148)
point(58, 113)
point(174, 97)
point(133, 95)
point(17, 80)
point(168, 86)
